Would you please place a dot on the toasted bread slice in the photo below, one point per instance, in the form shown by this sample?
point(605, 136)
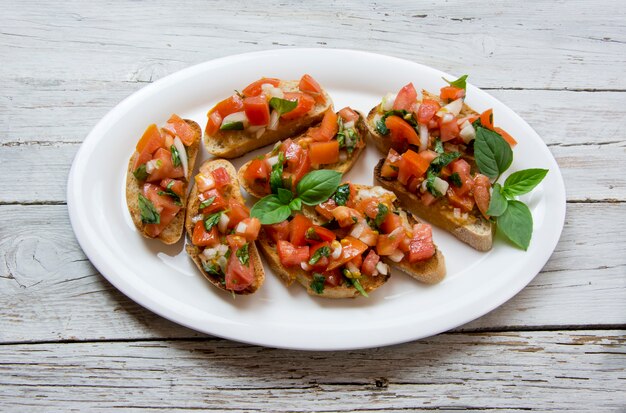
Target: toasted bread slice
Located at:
point(232, 144)
point(194, 252)
point(172, 233)
point(473, 229)
point(343, 167)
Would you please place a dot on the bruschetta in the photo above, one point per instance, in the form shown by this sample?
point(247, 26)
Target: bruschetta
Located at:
point(221, 231)
point(430, 162)
point(344, 246)
point(335, 144)
point(265, 112)
point(157, 178)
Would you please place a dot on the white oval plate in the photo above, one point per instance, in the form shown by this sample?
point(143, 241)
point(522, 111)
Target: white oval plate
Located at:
point(164, 280)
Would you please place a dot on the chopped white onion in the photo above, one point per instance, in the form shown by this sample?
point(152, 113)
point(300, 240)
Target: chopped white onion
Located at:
point(222, 225)
point(453, 108)
point(447, 117)
point(152, 165)
point(349, 125)
point(272, 91)
point(382, 268)
point(255, 128)
point(422, 187)
point(237, 117)
point(222, 249)
point(457, 212)
point(375, 192)
point(209, 253)
point(182, 154)
point(305, 266)
point(222, 262)
point(274, 118)
point(396, 232)
point(357, 230)
point(352, 268)
point(396, 256)
point(440, 185)
point(197, 218)
point(337, 251)
point(241, 227)
point(423, 137)
point(388, 100)
point(273, 160)
point(260, 132)
point(468, 133)
point(369, 238)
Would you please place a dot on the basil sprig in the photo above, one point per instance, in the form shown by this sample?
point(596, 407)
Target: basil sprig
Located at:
point(493, 157)
point(314, 188)
point(460, 82)
point(283, 106)
point(149, 214)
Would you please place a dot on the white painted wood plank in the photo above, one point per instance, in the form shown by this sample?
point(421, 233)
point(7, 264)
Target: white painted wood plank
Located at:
point(50, 291)
point(545, 371)
point(515, 44)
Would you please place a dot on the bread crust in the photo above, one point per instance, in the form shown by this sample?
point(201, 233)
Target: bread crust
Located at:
point(192, 210)
point(172, 233)
point(233, 144)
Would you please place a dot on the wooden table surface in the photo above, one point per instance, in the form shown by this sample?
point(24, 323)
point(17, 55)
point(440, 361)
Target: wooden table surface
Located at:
point(69, 341)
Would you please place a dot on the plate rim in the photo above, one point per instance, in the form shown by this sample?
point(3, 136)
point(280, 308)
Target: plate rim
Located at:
point(479, 308)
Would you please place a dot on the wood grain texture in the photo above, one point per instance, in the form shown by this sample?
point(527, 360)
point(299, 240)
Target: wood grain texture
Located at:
point(562, 371)
point(50, 291)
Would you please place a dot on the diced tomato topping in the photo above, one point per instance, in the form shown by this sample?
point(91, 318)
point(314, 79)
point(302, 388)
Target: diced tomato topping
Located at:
point(150, 141)
point(257, 110)
point(421, 247)
point(486, 119)
point(305, 103)
point(427, 111)
point(450, 93)
point(391, 222)
point(401, 131)
point(324, 153)
point(413, 183)
point(461, 167)
point(317, 234)
point(258, 170)
point(391, 164)
point(448, 130)
point(277, 232)
point(322, 263)
point(183, 130)
point(252, 227)
point(177, 186)
point(238, 276)
point(412, 164)
point(221, 177)
point(357, 261)
point(350, 248)
point(327, 129)
point(482, 184)
point(290, 255)
point(428, 198)
point(348, 115)
point(309, 85)
point(235, 241)
point(465, 202)
point(214, 123)
point(167, 169)
point(346, 216)
point(218, 204)
point(333, 278)
point(325, 208)
point(505, 135)
point(203, 238)
point(388, 243)
point(237, 213)
point(227, 106)
point(255, 89)
point(406, 98)
point(297, 229)
point(164, 205)
point(301, 168)
point(369, 264)
point(368, 206)
point(291, 150)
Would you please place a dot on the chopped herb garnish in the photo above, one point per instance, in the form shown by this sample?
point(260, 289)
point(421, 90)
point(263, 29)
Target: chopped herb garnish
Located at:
point(212, 269)
point(140, 173)
point(206, 203)
point(243, 254)
point(317, 284)
point(232, 126)
point(212, 220)
point(430, 183)
point(455, 178)
point(442, 160)
point(318, 254)
point(438, 146)
point(357, 284)
point(342, 194)
point(175, 156)
point(381, 215)
point(283, 106)
point(276, 176)
point(168, 191)
point(149, 214)
point(381, 127)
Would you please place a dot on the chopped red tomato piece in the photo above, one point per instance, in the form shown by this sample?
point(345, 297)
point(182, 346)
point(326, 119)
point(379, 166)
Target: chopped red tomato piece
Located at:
point(150, 141)
point(346, 216)
point(348, 115)
point(166, 168)
point(391, 222)
point(325, 208)
point(203, 238)
point(257, 110)
point(333, 278)
point(251, 228)
point(258, 170)
point(486, 119)
point(464, 202)
point(238, 276)
point(301, 168)
point(182, 129)
point(412, 164)
point(177, 185)
point(428, 198)
point(427, 111)
point(309, 85)
point(214, 123)
point(164, 205)
point(277, 232)
point(218, 203)
point(297, 229)
point(324, 153)
point(482, 184)
point(350, 248)
point(448, 130)
point(317, 234)
point(368, 206)
point(322, 262)
point(327, 129)
point(505, 135)
point(290, 255)
point(255, 88)
point(462, 168)
point(235, 241)
point(401, 131)
point(305, 103)
point(391, 165)
point(220, 177)
point(388, 243)
point(227, 106)
point(406, 98)
point(237, 213)
point(369, 264)
point(421, 247)
point(450, 93)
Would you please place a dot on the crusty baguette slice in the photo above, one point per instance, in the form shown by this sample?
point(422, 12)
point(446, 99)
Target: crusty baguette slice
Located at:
point(342, 167)
point(172, 233)
point(383, 143)
point(474, 230)
point(232, 144)
point(192, 210)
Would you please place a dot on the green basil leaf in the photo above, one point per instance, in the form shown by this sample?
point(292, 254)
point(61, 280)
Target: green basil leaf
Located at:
point(232, 126)
point(317, 284)
point(460, 82)
point(212, 220)
point(442, 160)
point(439, 146)
point(493, 154)
point(140, 173)
point(516, 223)
point(318, 254)
point(311, 234)
point(175, 156)
point(283, 106)
point(212, 269)
point(522, 182)
point(381, 215)
point(357, 284)
point(276, 176)
point(342, 194)
point(207, 202)
point(381, 127)
point(317, 186)
point(243, 254)
point(149, 214)
point(295, 204)
point(498, 203)
point(285, 195)
point(430, 184)
point(269, 210)
point(455, 179)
